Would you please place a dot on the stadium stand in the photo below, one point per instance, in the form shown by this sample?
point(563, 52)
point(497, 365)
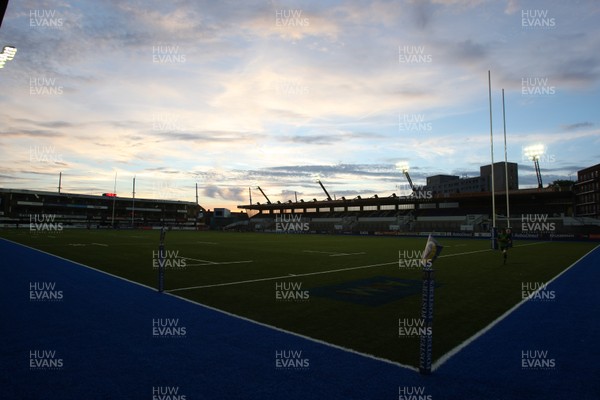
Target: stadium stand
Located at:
point(19, 207)
point(465, 214)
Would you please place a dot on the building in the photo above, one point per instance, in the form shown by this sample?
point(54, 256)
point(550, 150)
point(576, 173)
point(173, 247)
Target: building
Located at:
point(460, 207)
point(485, 173)
point(587, 192)
point(446, 185)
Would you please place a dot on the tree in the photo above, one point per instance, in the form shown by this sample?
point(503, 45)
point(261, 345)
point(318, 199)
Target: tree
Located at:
point(562, 185)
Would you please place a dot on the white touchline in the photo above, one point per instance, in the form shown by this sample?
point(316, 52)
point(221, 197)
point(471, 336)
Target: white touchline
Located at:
point(318, 341)
point(443, 359)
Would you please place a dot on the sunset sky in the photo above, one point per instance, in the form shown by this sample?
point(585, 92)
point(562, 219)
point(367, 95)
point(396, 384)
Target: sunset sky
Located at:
point(238, 94)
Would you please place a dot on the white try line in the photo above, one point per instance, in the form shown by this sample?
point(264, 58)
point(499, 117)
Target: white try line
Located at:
point(318, 272)
point(280, 277)
point(207, 262)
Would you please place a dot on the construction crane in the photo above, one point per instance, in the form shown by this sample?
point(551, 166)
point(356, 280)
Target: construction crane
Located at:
point(325, 190)
point(263, 193)
point(536, 163)
point(403, 166)
point(410, 182)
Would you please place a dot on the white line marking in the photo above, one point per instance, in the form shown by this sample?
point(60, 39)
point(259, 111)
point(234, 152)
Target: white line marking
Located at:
point(319, 272)
point(197, 259)
point(219, 263)
point(100, 244)
point(344, 349)
point(346, 254)
point(435, 365)
point(332, 253)
point(279, 277)
point(318, 341)
point(207, 262)
point(443, 359)
point(81, 265)
point(483, 251)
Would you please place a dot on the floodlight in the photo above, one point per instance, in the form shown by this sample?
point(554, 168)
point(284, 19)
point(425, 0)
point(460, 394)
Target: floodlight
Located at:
point(402, 166)
point(534, 152)
point(8, 53)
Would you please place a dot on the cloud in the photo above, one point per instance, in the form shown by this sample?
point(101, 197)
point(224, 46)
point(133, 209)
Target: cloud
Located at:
point(33, 133)
point(216, 192)
point(470, 51)
point(207, 136)
point(576, 126)
point(258, 101)
point(580, 70)
point(327, 139)
point(512, 6)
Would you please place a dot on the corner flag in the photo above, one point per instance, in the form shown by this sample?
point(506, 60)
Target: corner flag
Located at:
point(431, 252)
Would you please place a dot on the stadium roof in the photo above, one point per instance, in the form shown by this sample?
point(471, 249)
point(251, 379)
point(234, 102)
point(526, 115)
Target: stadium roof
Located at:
point(390, 200)
point(89, 196)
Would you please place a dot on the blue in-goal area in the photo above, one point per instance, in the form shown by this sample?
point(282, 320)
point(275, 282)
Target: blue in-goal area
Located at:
point(71, 332)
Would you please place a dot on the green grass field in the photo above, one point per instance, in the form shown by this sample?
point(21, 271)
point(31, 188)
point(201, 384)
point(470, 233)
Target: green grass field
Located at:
point(356, 290)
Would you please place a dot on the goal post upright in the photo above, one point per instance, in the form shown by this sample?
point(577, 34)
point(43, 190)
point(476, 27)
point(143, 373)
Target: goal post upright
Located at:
point(493, 230)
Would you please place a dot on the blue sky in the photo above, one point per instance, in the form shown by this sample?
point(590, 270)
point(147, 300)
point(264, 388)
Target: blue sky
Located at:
point(278, 94)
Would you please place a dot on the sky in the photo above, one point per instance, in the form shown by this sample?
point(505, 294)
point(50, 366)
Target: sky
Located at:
point(232, 95)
